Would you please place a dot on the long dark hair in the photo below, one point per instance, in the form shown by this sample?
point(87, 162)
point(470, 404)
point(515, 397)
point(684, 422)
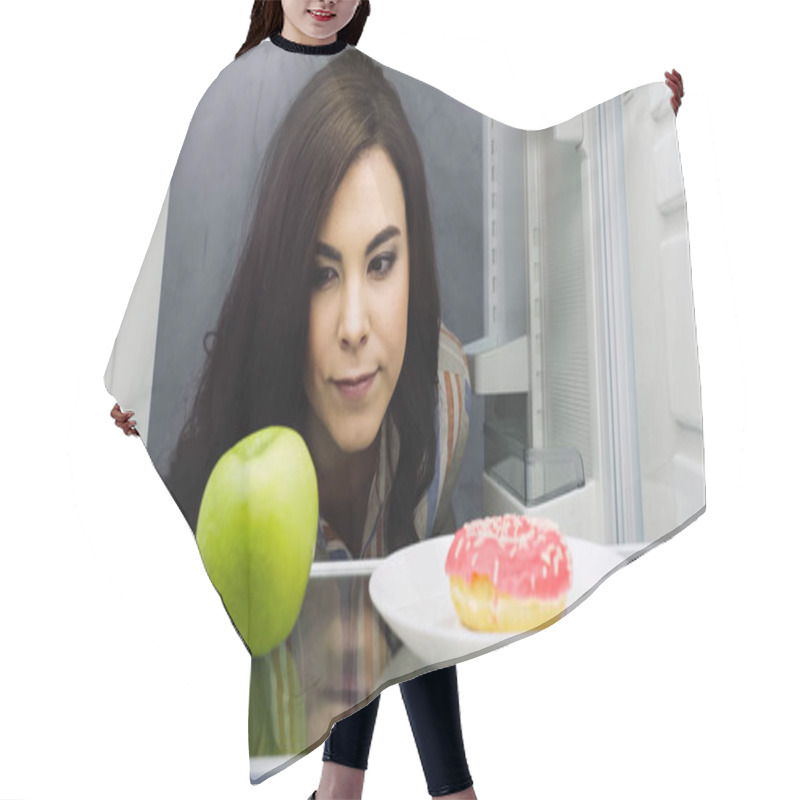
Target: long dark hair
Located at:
point(266, 18)
point(253, 375)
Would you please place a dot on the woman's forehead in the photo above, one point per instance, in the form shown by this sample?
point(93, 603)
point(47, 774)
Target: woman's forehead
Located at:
point(370, 195)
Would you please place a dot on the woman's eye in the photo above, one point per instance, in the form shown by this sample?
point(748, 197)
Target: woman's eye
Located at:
point(323, 275)
point(383, 263)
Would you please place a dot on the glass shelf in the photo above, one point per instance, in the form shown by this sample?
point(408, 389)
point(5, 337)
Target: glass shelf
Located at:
point(530, 474)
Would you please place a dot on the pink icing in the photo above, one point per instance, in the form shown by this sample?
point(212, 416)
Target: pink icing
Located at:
point(522, 556)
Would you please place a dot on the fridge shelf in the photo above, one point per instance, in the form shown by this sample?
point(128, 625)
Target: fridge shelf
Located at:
point(532, 475)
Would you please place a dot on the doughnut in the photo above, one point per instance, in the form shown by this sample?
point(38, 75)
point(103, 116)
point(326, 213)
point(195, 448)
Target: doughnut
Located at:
point(508, 573)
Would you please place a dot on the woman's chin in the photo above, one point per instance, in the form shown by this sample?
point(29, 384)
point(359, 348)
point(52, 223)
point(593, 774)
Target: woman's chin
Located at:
point(354, 446)
point(357, 441)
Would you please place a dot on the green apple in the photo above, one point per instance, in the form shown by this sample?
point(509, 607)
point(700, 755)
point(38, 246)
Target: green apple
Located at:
point(257, 530)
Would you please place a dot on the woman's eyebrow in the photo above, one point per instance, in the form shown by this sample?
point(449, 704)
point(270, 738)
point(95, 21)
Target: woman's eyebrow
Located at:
point(389, 232)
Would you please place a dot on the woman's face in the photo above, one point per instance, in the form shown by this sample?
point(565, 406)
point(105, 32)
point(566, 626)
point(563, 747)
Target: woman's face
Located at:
point(316, 22)
point(359, 305)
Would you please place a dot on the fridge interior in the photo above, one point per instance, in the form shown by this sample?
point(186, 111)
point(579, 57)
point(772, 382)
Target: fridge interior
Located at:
point(588, 367)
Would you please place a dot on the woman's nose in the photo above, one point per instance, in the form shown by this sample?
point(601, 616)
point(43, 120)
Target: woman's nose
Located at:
point(354, 323)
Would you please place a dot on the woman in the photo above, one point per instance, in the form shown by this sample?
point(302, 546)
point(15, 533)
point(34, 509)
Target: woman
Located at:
point(323, 336)
point(331, 326)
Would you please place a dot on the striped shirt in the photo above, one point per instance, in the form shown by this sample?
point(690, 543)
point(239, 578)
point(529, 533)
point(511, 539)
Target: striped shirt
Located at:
point(340, 646)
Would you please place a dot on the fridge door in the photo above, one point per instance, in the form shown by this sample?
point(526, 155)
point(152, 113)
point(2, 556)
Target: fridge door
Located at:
point(666, 369)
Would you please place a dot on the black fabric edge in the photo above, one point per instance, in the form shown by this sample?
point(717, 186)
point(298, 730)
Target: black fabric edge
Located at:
point(308, 49)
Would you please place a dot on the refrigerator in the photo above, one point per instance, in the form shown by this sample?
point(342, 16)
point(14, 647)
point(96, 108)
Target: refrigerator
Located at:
point(586, 378)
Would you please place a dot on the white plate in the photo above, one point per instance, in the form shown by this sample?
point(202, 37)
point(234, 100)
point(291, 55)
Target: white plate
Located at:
point(412, 593)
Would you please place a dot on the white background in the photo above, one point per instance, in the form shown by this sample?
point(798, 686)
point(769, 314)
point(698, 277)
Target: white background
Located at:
point(120, 674)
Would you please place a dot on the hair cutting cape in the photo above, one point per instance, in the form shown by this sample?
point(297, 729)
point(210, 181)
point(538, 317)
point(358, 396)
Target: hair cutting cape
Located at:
point(522, 301)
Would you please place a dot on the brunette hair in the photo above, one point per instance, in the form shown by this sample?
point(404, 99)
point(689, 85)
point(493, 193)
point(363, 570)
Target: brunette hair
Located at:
point(253, 374)
point(266, 18)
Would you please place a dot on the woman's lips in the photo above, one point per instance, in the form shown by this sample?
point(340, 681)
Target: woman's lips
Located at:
point(355, 390)
point(322, 16)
